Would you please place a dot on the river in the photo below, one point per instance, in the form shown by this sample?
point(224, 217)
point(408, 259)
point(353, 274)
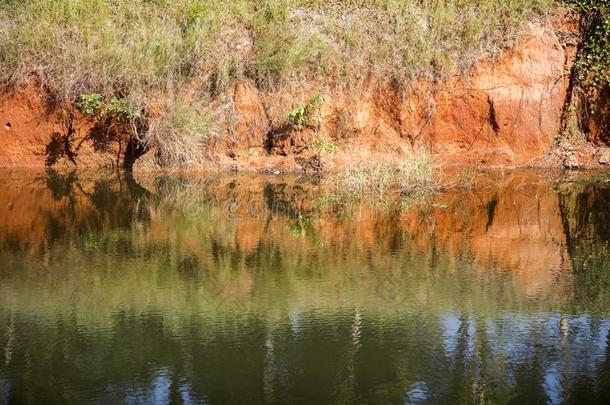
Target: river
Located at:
point(158, 288)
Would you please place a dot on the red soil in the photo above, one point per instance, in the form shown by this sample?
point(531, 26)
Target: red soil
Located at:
point(506, 112)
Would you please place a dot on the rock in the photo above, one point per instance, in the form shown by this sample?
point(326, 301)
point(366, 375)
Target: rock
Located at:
point(270, 170)
point(571, 162)
point(310, 165)
point(603, 156)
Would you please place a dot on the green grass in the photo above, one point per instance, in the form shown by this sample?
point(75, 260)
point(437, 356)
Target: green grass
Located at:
point(140, 51)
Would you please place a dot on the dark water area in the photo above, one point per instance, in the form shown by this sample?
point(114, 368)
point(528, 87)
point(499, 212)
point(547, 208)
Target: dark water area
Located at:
point(236, 289)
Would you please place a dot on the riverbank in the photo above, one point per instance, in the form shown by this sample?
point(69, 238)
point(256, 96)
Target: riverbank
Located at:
point(498, 92)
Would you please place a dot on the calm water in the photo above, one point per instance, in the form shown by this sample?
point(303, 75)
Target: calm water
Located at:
point(179, 289)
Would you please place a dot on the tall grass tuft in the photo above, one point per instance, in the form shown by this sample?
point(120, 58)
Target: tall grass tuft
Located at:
point(179, 136)
point(418, 173)
point(364, 180)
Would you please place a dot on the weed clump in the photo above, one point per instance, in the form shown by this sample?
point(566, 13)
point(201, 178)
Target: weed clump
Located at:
point(415, 181)
point(179, 137)
point(376, 181)
point(365, 180)
point(419, 173)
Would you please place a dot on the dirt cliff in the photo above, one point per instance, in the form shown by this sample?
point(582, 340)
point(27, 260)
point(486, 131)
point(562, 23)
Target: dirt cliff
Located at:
point(506, 112)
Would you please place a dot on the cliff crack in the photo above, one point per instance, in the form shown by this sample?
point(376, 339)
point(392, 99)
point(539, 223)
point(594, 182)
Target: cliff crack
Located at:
point(491, 116)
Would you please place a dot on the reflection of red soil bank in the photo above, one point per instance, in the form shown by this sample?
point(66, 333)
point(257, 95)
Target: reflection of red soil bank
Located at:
point(526, 235)
point(512, 224)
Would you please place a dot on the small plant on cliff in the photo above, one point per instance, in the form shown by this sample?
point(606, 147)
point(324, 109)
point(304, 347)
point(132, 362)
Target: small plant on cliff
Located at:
point(304, 116)
point(117, 108)
point(88, 104)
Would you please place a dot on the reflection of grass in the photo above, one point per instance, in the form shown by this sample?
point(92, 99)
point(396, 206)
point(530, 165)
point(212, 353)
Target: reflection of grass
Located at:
point(163, 259)
point(94, 287)
point(422, 198)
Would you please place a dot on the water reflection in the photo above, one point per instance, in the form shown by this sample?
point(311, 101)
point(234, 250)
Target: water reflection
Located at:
point(248, 290)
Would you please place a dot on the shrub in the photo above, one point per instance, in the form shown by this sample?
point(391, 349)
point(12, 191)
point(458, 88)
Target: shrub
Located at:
point(88, 104)
point(304, 116)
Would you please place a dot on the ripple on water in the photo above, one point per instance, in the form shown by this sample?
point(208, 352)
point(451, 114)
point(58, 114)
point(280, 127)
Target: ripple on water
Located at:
point(109, 293)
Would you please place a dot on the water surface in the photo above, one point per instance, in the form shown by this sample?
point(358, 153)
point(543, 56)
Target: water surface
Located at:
point(185, 289)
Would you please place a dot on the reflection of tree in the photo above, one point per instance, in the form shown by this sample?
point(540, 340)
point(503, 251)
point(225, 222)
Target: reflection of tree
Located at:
point(61, 186)
point(10, 339)
point(69, 207)
point(585, 215)
point(602, 380)
point(342, 358)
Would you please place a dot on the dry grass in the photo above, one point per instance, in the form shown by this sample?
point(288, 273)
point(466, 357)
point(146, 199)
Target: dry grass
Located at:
point(365, 180)
point(419, 172)
point(180, 136)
